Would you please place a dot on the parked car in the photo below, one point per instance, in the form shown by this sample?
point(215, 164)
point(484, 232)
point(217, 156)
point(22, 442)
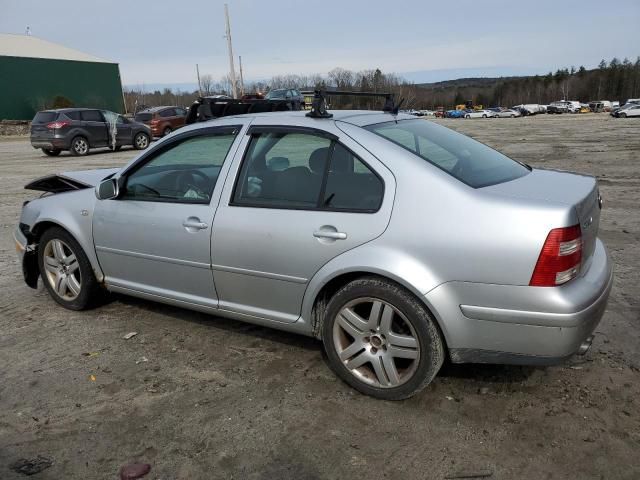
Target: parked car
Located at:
point(479, 114)
point(508, 113)
point(632, 100)
point(309, 225)
point(291, 94)
point(596, 107)
point(81, 129)
point(629, 110)
point(527, 109)
point(455, 113)
point(558, 107)
point(162, 120)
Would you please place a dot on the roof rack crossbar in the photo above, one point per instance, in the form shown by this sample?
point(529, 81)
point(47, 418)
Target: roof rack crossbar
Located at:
point(319, 103)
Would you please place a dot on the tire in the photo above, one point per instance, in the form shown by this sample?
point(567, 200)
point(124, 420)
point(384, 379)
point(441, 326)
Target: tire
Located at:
point(513, 116)
point(467, 116)
point(79, 146)
point(484, 116)
point(141, 141)
point(400, 320)
point(166, 131)
point(622, 115)
point(70, 282)
point(54, 152)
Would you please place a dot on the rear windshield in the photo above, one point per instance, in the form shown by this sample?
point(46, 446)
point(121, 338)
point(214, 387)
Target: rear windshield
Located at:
point(143, 117)
point(461, 157)
point(45, 117)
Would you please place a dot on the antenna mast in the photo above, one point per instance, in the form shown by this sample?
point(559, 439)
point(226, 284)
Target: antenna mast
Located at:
point(230, 48)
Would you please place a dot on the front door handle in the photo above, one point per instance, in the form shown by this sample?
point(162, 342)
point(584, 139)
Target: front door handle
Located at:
point(330, 234)
point(194, 223)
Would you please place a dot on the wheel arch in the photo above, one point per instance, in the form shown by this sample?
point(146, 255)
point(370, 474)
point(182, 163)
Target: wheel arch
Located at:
point(322, 287)
point(81, 233)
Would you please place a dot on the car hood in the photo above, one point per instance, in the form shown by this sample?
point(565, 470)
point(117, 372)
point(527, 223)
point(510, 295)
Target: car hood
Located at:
point(67, 181)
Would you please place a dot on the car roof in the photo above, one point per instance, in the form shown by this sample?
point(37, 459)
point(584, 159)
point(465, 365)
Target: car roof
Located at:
point(157, 109)
point(355, 117)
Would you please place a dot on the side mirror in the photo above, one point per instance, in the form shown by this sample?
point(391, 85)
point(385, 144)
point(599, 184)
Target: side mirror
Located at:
point(107, 189)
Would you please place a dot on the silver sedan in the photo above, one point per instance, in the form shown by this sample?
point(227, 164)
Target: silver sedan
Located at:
point(508, 113)
point(395, 241)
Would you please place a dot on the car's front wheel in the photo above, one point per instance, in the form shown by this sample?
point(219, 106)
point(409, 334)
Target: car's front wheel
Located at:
point(79, 146)
point(141, 141)
point(51, 152)
point(66, 271)
point(381, 340)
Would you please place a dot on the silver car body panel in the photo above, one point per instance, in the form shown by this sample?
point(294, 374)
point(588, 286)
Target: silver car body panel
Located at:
point(467, 253)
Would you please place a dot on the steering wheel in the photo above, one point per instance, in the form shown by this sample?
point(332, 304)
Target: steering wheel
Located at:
point(186, 181)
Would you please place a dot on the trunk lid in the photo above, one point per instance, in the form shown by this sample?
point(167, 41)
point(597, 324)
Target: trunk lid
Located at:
point(573, 190)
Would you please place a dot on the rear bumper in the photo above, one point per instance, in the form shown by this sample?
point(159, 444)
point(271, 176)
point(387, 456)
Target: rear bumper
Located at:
point(50, 143)
point(521, 324)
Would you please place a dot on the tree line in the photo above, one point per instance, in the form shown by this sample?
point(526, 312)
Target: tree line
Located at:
point(614, 80)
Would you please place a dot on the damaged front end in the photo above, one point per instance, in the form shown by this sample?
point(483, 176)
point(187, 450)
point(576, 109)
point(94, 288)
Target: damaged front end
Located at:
point(27, 254)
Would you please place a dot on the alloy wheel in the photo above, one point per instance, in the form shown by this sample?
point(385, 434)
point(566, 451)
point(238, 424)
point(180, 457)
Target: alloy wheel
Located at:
point(80, 146)
point(62, 269)
point(376, 342)
point(142, 141)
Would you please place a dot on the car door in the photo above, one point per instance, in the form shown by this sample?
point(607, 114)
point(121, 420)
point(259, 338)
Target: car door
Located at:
point(300, 198)
point(154, 238)
point(94, 124)
point(124, 131)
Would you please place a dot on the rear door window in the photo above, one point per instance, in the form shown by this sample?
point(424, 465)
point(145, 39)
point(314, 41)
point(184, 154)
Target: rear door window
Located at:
point(91, 116)
point(73, 115)
point(169, 112)
point(305, 171)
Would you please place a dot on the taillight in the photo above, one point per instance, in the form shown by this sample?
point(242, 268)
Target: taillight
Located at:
point(59, 124)
point(560, 258)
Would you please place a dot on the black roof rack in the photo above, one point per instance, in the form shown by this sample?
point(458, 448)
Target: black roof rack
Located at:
point(319, 104)
point(207, 108)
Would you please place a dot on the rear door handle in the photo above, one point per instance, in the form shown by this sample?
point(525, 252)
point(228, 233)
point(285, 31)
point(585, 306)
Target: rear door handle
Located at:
point(194, 223)
point(330, 234)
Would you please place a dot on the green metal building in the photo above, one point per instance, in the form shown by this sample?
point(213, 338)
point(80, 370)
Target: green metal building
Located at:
point(36, 74)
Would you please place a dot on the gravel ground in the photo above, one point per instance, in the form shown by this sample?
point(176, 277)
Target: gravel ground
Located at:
point(203, 397)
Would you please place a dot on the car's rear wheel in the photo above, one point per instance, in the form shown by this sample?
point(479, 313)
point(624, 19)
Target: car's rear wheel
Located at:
point(381, 340)
point(79, 146)
point(51, 152)
point(167, 131)
point(66, 271)
point(513, 116)
point(141, 141)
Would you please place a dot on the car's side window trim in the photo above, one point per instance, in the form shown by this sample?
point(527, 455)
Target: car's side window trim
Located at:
point(258, 129)
point(255, 131)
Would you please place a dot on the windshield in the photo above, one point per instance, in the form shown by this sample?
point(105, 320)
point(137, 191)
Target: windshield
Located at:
point(461, 157)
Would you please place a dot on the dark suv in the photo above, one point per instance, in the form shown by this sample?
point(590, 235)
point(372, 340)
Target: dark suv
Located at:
point(162, 120)
point(80, 129)
point(290, 94)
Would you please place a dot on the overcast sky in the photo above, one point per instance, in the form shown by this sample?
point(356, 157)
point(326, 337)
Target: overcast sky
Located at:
point(159, 41)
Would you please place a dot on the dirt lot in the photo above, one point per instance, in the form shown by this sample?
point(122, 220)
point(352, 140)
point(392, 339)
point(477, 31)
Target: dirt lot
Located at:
point(220, 399)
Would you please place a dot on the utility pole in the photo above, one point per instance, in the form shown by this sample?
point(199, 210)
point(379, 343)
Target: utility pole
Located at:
point(241, 78)
point(230, 48)
point(199, 86)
